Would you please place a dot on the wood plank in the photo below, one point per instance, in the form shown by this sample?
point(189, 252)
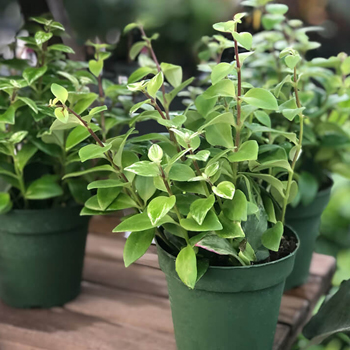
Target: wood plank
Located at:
point(293, 310)
point(281, 336)
point(104, 224)
point(60, 329)
point(323, 266)
point(136, 278)
point(9, 345)
point(118, 306)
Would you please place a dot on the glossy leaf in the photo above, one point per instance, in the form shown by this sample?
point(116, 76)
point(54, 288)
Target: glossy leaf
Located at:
point(247, 151)
point(271, 238)
point(145, 187)
point(244, 39)
point(236, 210)
point(173, 73)
point(155, 84)
point(137, 245)
point(224, 189)
point(25, 154)
point(79, 134)
point(96, 67)
point(159, 207)
point(60, 92)
point(221, 71)
point(5, 203)
point(100, 168)
point(261, 98)
point(200, 208)
point(210, 223)
point(144, 168)
point(181, 172)
point(224, 88)
point(32, 74)
point(186, 266)
point(108, 183)
point(61, 48)
point(44, 188)
point(93, 152)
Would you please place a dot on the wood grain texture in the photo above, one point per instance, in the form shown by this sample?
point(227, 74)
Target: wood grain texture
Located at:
point(128, 309)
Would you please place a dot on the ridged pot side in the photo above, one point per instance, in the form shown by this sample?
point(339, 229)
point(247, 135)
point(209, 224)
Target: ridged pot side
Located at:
point(233, 307)
point(41, 256)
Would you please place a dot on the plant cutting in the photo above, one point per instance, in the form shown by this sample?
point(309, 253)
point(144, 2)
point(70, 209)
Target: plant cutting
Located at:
point(42, 235)
point(324, 102)
point(209, 190)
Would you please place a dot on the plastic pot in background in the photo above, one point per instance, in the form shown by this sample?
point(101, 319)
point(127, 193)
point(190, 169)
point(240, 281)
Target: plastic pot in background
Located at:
point(41, 256)
point(231, 307)
point(306, 220)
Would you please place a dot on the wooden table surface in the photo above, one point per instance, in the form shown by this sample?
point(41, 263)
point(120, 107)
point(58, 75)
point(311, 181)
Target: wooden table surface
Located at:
point(128, 309)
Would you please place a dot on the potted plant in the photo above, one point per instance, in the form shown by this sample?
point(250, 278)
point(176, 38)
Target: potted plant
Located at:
point(324, 101)
point(206, 190)
point(42, 236)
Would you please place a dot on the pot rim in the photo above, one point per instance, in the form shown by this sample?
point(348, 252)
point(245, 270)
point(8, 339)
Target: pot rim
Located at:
point(241, 267)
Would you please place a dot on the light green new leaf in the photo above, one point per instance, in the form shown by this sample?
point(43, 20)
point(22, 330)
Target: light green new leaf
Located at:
point(261, 98)
point(263, 118)
point(173, 73)
point(200, 207)
point(245, 39)
point(224, 88)
point(61, 48)
point(97, 110)
point(277, 9)
point(155, 84)
point(136, 49)
point(109, 183)
point(247, 151)
point(130, 27)
point(60, 92)
point(136, 245)
point(44, 188)
point(32, 74)
point(96, 67)
point(210, 223)
point(159, 207)
point(41, 37)
point(138, 105)
point(155, 153)
point(79, 134)
point(93, 152)
point(140, 73)
point(225, 27)
point(236, 210)
point(290, 109)
point(224, 189)
point(5, 203)
point(225, 118)
point(201, 155)
point(292, 61)
point(186, 266)
point(271, 238)
point(220, 135)
point(140, 222)
point(62, 115)
point(144, 168)
point(221, 71)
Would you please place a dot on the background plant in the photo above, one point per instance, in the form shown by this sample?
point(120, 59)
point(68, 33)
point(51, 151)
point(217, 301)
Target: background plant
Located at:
point(35, 155)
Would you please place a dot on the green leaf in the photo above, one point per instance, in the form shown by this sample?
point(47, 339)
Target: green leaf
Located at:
point(136, 245)
point(217, 245)
point(40, 20)
point(84, 102)
point(96, 169)
point(61, 48)
point(181, 172)
point(201, 155)
point(140, 73)
point(308, 187)
point(41, 37)
point(345, 66)
point(79, 134)
point(155, 84)
point(220, 135)
point(200, 208)
point(290, 109)
point(271, 238)
point(30, 103)
point(247, 151)
point(244, 39)
point(225, 27)
point(44, 188)
point(5, 203)
point(224, 88)
point(140, 222)
point(119, 155)
point(269, 209)
point(186, 266)
point(236, 210)
point(109, 183)
point(231, 229)
point(221, 71)
point(159, 207)
point(93, 152)
point(225, 118)
point(106, 196)
point(144, 168)
point(145, 187)
point(155, 153)
point(173, 73)
point(32, 74)
point(277, 9)
point(210, 223)
point(18, 136)
point(62, 115)
point(136, 49)
point(273, 164)
point(98, 110)
point(8, 117)
point(211, 169)
point(263, 118)
point(130, 27)
point(261, 98)
point(225, 189)
point(23, 156)
point(292, 61)
point(332, 317)
point(96, 67)
point(60, 92)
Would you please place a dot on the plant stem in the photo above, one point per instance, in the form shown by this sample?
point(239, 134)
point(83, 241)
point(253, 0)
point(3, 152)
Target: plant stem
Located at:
point(101, 101)
point(19, 174)
point(108, 154)
point(298, 150)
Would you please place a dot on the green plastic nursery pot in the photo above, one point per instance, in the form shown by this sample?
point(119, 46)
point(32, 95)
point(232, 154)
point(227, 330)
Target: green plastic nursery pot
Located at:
point(231, 307)
point(41, 256)
point(305, 220)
